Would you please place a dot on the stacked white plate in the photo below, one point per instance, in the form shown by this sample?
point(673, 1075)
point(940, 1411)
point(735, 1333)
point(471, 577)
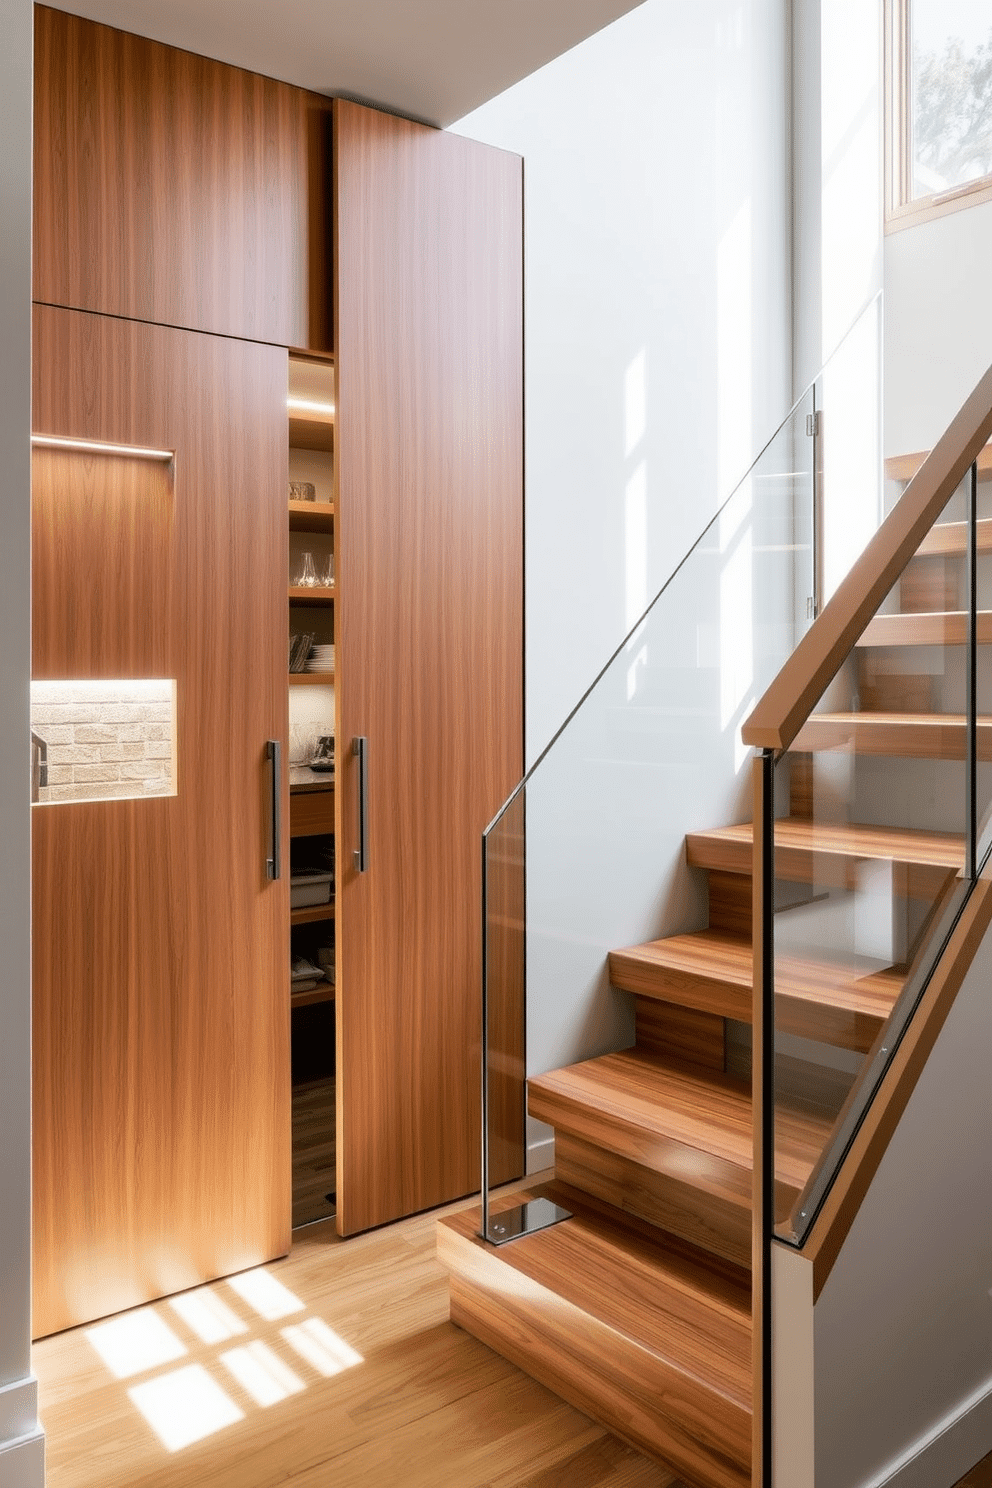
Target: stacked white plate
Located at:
point(321, 659)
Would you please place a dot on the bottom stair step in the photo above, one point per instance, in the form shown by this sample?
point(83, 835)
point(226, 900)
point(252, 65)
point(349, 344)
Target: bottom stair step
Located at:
point(649, 1336)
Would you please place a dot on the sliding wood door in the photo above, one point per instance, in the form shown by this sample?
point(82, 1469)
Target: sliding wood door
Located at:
point(161, 1018)
point(428, 629)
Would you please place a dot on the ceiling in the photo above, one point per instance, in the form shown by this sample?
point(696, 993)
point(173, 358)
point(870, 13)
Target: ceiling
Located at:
point(434, 60)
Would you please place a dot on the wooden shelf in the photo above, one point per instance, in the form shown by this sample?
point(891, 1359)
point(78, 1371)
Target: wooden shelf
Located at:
point(300, 594)
point(310, 679)
point(316, 994)
point(313, 431)
point(311, 516)
point(312, 913)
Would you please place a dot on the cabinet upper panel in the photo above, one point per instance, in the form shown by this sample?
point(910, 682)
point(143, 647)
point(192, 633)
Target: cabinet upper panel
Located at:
point(176, 189)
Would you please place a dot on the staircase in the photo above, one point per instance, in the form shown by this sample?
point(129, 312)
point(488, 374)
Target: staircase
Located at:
point(637, 1308)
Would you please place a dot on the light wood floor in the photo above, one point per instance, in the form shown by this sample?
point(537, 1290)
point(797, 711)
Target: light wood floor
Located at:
point(427, 1405)
point(313, 1151)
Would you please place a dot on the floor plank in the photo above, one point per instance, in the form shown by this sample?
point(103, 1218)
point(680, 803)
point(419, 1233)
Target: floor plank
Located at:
point(422, 1400)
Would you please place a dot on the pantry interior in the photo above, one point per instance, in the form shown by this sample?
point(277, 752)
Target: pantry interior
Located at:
point(311, 784)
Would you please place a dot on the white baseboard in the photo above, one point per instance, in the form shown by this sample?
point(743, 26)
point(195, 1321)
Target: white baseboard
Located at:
point(948, 1451)
point(22, 1461)
point(18, 1410)
point(540, 1155)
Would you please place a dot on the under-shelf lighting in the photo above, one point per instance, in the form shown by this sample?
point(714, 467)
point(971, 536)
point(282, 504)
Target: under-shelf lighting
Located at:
point(98, 447)
point(309, 405)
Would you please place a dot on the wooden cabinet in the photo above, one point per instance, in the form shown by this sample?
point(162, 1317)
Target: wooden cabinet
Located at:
point(161, 1024)
point(428, 629)
point(175, 189)
point(176, 196)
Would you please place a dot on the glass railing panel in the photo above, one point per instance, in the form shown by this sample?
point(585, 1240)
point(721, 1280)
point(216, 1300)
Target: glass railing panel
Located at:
point(871, 808)
point(504, 982)
point(588, 856)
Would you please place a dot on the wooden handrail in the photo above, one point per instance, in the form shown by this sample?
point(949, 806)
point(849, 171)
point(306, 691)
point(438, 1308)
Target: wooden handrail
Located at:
point(831, 1226)
point(788, 702)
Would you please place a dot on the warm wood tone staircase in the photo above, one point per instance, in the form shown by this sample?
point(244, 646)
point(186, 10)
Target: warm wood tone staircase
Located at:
point(638, 1308)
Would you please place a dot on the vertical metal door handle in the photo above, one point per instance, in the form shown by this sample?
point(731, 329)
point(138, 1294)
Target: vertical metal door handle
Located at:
point(273, 750)
point(360, 746)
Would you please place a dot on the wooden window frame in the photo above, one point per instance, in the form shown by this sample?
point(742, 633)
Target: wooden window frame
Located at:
point(901, 210)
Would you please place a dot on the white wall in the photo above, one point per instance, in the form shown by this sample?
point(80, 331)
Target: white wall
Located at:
point(657, 364)
point(21, 1444)
point(903, 1327)
point(657, 251)
point(938, 323)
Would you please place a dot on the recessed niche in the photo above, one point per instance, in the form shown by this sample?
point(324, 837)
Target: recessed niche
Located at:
point(104, 740)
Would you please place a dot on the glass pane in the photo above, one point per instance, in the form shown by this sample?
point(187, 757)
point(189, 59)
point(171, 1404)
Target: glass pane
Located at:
point(591, 852)
point(869, 846)
point(504, 970)
point(951, 93)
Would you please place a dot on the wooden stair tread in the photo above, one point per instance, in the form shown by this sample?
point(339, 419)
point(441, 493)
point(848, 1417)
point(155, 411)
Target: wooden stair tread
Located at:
point(940, 628)
point(693, 1123)
point(644, 1334)
point(684, 1311)
point(904, 467)
point(730, 848)
point(717, 958)
point(952, 537)
point(901, 735)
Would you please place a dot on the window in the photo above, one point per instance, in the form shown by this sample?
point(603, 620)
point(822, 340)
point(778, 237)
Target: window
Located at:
point(939, 148)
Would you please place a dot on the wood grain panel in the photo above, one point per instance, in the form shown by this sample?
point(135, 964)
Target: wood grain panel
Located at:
point(730, 901)
point(790, 699)
point(717, 1223)
point(930, 583)
point(633, 1332)
point(428, 548)
point(161, 1022)
point(883, 688)
point(802, 788)
point(173, 188)
point(695, 1036)
point(311, 813)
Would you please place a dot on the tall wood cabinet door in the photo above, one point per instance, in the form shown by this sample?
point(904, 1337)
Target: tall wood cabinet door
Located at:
point(428, 630)
point(173, 188)
point(161, 1018)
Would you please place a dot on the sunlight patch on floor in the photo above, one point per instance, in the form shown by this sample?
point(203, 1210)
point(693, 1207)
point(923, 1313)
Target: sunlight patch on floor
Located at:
point(134, 1342)
point(321, 1347)
point(207, 1316)
point(184, 1406)
point(264, 1295)
point(261, 1373)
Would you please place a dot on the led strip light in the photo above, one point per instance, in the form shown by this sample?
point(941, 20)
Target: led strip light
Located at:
point(95, 447)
